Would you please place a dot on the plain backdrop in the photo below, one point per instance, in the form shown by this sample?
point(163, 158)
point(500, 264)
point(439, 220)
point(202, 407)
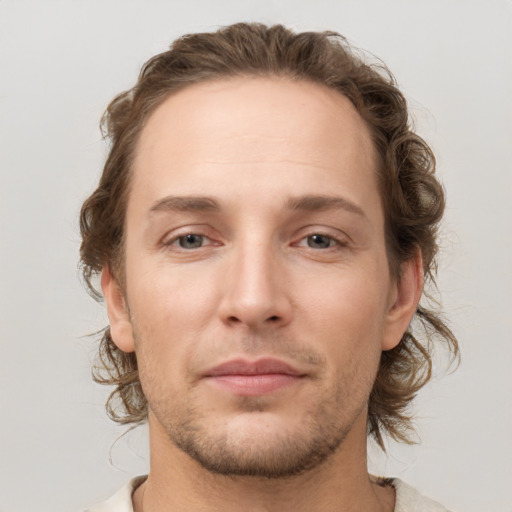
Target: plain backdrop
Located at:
point(60, 64)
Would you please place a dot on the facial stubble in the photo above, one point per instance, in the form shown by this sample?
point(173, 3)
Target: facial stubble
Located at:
point(273, 455)
point(284, 455)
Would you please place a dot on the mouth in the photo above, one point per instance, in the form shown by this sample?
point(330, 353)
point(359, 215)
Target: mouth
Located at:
point(253, 378)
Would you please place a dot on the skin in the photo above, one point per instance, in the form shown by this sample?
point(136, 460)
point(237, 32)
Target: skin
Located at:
point(274, 270)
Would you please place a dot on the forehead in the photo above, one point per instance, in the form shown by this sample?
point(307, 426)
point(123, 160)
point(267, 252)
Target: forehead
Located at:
point(233, 134)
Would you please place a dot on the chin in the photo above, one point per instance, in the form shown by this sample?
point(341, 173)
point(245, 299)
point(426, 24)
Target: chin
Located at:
point(258, 444)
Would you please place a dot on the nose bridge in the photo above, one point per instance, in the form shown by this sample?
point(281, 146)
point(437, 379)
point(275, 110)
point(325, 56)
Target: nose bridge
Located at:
point(255, 293)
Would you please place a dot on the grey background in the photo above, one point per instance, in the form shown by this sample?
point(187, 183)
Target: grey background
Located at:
point(60, 64)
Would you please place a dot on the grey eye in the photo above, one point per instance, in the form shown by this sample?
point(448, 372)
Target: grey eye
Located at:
point(319, 241)
point(190, 241)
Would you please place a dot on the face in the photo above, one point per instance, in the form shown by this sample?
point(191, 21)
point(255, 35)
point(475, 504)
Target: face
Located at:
point(258, 296)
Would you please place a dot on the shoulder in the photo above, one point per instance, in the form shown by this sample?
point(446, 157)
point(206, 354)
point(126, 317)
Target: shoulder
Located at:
point(121, 501)
point(409, 499)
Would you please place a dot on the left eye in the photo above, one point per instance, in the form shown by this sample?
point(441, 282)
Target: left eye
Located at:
point(190, 241)
point(319, 241)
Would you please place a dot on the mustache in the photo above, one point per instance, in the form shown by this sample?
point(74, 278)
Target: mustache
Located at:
point(268, 345)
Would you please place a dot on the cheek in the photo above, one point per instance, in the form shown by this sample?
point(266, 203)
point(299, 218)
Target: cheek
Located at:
point(353, 301)
point(346, 313)
point(170, 296)
point(170, 314)
point(171, 311)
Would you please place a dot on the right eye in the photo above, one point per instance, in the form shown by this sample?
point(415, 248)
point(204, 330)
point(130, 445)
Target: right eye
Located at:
point(320, 241)
point(189, 241)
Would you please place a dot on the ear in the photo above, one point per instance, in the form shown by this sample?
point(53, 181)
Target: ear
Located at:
point(404, 299)
point(118, 315)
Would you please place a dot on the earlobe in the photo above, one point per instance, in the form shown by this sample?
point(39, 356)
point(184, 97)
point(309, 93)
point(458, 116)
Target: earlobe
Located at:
point(120, 323)
point(406, 297)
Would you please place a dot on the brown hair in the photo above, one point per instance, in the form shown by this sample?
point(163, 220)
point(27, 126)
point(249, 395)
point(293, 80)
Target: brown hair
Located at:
point(413, 198)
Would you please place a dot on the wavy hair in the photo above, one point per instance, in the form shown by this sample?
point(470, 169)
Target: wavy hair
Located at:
point(413, 198)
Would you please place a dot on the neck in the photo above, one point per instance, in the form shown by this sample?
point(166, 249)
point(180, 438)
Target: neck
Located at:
point(177, 482)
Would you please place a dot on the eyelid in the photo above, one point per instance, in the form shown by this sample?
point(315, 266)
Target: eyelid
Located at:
point(341, 239)
point(171, 238)
point(336, 242)
point(176, 240)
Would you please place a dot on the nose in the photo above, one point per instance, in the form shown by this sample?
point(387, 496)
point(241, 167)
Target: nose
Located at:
point(255, 290)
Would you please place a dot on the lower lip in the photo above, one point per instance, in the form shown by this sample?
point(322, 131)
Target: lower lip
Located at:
point(254, 385)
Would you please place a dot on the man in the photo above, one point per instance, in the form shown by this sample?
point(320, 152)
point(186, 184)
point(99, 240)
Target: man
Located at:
point(264, 225)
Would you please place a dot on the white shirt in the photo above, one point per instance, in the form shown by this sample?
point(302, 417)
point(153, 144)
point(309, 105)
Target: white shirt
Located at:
point(407, 499)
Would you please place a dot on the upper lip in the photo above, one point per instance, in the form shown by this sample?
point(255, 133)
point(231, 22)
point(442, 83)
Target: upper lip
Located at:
point(263, 366)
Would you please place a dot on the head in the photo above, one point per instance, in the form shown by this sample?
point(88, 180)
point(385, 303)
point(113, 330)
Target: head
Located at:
point(345, 104)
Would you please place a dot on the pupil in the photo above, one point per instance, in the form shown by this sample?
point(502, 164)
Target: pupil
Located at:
point(319, 241)
point(191, 241)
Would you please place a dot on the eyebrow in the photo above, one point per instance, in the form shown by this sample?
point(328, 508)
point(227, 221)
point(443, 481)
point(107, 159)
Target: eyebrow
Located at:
point(186, 204)
point(302, 203)
point(323, 203)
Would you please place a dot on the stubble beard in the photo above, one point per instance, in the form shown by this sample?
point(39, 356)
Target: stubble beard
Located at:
point(275, 455)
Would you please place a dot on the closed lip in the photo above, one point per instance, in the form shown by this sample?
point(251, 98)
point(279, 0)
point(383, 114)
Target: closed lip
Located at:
point(262, 366)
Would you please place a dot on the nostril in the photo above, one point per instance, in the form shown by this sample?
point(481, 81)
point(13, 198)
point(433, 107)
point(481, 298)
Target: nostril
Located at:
point(274, 318)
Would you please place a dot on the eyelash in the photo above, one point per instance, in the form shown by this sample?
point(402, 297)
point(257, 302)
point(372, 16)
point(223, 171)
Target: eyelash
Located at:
point(173, 242)
point(335, 242)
